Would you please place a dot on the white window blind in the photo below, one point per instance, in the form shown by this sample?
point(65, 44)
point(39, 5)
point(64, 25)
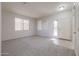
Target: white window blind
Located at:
point(21, 24)
point(18, 24)
point(39, 25)
point(26, 25)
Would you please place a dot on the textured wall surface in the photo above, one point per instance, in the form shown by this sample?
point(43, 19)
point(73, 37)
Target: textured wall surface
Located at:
point(8, 26)
point(64, 25)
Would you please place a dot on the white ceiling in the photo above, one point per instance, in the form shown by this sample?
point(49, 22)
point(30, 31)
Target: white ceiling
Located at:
point(35, 9)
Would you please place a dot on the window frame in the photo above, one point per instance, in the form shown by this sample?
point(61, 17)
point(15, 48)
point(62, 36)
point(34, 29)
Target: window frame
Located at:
point(21, 24)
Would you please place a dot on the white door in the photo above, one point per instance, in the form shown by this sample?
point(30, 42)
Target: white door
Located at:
point(74, 26)
point(77, 29)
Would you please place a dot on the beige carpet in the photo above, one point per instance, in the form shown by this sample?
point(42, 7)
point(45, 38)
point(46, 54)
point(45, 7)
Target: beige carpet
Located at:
point(34, 46)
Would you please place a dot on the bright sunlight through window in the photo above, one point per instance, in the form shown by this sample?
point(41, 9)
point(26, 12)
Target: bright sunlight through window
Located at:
point(39, 25)
point(26, 25)
point(55, 28)
point(21, 24)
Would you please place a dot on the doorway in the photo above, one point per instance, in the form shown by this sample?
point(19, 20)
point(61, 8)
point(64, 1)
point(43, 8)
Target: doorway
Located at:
point(55, 31)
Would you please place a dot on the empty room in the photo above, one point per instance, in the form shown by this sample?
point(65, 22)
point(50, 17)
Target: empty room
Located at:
point(39, 29)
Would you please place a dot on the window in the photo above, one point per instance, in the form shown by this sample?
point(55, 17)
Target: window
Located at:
point(26, 25)
point(55, 28)
point(21, 24)
point(18, 24)
point(39, 25)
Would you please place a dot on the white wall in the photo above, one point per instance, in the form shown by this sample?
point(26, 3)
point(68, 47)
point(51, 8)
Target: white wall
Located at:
point(65, 25)
point(47, 27)
point(64, 18)
point(8, 26)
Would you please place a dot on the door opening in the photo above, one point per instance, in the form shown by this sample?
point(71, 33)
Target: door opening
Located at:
point(55, 31)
